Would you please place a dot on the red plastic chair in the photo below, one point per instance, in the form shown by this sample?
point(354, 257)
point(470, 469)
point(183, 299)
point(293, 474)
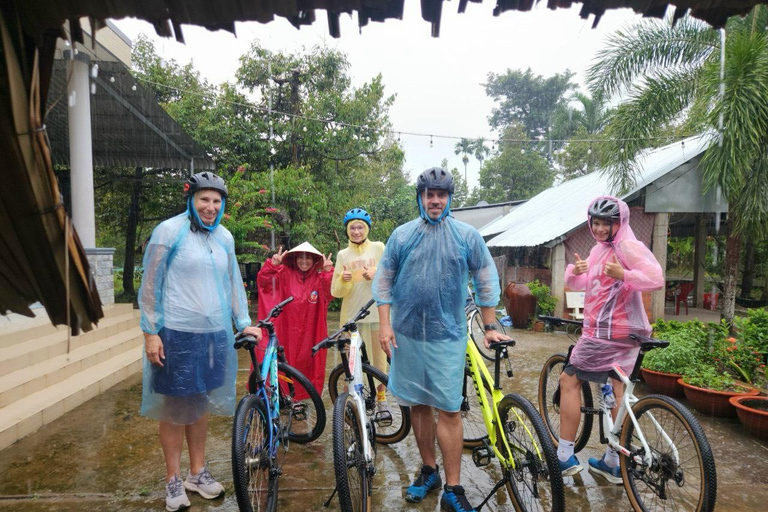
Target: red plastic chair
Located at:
point(682, 297)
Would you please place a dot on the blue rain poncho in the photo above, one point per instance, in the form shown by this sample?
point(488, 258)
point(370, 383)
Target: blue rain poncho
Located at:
point(424, 274)
point(191, 294)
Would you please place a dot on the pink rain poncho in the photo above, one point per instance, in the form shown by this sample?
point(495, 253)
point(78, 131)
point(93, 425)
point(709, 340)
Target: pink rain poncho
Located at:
point(613, 308)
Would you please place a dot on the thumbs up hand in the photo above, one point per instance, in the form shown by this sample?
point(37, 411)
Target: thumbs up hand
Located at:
point(614, 269)
point(580, 266)
point(346, 275)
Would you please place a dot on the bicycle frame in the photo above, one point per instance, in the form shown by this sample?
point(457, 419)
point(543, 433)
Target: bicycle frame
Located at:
point(265, 387)
point(352, 364)
point(481, 377)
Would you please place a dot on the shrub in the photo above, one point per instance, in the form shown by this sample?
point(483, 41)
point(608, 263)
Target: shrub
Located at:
point(545, 302)
point(753, 329)
point(687, 347)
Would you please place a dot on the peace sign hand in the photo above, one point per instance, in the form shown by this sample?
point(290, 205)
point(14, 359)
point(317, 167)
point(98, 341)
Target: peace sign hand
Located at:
point(579, 266)
point(614, 269)
point(327, 262)
point(277, 258)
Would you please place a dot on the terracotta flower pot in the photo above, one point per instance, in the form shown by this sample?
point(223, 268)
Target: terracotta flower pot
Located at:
point(538, 326)
point(664, 383)
point(753, 413)
point(714, 403)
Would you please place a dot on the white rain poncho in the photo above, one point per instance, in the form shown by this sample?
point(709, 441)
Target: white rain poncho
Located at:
point(424, 274)
point(191, 293)
point(613, 308)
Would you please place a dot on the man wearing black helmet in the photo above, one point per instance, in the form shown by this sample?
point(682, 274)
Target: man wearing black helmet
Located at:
point(422, 282)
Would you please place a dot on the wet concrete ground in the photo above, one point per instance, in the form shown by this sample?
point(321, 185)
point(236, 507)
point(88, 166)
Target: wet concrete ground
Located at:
point(104, 456)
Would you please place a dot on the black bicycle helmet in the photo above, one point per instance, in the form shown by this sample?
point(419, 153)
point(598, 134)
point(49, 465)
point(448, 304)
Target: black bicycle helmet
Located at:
point(205, 180)
point(435, 178)
point(605, 209)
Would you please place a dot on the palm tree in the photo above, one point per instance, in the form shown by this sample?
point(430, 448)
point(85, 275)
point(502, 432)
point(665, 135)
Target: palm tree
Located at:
point(672, 77)
point(463, 147)
point(480, 149)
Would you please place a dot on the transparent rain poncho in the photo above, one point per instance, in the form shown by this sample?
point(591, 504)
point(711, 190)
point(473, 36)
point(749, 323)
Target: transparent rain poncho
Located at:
point(424, 274)
point(191, 294)
point(613, 309)
point(357, 292)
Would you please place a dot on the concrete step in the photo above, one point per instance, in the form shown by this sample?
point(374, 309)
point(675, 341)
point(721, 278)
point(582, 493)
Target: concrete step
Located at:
point(38, 409)
point(36, 350)
point(26, 329)
point(17, 385)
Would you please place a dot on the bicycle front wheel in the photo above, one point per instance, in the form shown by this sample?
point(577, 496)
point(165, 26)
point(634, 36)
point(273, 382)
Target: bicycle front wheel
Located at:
point(477, 333)
point(301, 407)
point(348, 456)
point(393, 422)
point(549, 403)
point(682, 473)
point(535, 482)
point(253, 470)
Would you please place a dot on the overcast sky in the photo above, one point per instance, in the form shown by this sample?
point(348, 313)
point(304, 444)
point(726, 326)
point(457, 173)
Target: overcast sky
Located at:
point(438, 82)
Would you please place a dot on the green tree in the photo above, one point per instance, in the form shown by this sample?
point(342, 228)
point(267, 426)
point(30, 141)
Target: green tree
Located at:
point(672, 75)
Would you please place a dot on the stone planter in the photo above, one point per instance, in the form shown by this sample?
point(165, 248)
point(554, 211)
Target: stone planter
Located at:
point(664, 383)
point(753, 414)
point(714, 403)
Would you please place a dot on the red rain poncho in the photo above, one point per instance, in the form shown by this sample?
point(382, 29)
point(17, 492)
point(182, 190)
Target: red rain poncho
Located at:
point(303, 322)
point(613, 309)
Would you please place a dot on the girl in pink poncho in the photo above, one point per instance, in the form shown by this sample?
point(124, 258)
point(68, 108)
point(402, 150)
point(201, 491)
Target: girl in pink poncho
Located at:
point(614, 275)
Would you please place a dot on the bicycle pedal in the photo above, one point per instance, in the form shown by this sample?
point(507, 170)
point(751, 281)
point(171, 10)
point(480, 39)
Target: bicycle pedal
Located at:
point(481, 456)
point(299, 412)
point(383, 418)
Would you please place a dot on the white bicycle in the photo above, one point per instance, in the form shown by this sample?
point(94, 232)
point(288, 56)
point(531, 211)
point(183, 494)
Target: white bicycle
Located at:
point(354, 434)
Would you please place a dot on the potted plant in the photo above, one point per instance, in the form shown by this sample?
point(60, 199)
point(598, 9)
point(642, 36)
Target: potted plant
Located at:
point(545, 303)
point(729, 370)
point(753, 414)
point(662, 368)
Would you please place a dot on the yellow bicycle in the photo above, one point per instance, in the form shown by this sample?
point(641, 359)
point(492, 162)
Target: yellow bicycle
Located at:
point(514, 434)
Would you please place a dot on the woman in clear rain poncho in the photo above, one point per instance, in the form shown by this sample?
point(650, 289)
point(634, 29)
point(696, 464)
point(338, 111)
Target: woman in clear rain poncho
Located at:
point(304, 274)
point(191, 293)
point(619, 268)
point(352, 280)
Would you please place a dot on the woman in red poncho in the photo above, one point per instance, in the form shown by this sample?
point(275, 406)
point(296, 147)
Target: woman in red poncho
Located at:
point(305, 274)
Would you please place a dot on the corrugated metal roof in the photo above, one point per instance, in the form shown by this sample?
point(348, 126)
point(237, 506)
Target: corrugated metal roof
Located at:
point(558, 210)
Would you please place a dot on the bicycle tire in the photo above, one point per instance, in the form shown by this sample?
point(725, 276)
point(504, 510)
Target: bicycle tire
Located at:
point(549, 381)
point(535, 483)
point(255, 474)
point(473, 424)
point(689, 484)
point(477, 334)
point(392, 433)
point(307, 416)
point(348, 456)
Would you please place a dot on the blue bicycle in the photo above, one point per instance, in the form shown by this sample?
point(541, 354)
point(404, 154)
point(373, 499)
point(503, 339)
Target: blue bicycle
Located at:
point(281, 406)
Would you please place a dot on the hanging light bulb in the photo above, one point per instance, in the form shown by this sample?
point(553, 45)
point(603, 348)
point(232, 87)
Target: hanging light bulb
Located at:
point(112, 79)
point(133, 87)
point(522, 151)
point(621, 150)
point(398, 136)
point(95, 70)
point(431, 144)
point(304, 129)
point(335, 133)
point(589, 151)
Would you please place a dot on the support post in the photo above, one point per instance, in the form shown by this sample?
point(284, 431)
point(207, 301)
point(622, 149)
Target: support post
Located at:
point(660, 228)
point(558, 278)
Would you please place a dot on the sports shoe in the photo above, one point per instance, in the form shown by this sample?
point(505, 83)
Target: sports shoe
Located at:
point(454, 500)
point(599, 467)
point(570, 467)
point(204, 484)
point(428, 479)
point(175, 497)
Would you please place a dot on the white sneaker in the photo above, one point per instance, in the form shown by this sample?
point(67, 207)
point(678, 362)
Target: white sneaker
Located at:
point(204, 484)
point(175, 497)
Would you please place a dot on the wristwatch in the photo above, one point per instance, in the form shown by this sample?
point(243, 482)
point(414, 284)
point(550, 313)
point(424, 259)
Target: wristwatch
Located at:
point(490, 327)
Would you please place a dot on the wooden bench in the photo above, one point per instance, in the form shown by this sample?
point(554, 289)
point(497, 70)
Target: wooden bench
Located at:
point(575, 302)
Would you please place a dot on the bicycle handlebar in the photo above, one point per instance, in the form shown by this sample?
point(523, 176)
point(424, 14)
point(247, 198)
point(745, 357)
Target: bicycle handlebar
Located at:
point(331, 340)
point(274, 313)
point(559, 321)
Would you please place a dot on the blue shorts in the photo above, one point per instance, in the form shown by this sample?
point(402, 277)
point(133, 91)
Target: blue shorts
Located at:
point(195, 363)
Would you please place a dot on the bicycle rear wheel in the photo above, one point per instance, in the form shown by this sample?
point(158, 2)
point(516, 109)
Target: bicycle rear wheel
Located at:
point(682, 475)
point(477, 333)
point(254, 472)
point(472, 413)
point(389, 429)
point(348, 456)
point(549, 403)
point(300, 405)
point(535, 483)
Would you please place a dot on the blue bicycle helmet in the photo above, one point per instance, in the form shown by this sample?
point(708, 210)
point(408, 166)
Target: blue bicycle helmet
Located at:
point(357, 214)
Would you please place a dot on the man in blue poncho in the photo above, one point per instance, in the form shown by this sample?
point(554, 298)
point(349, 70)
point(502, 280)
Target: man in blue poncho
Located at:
point(422, 281)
